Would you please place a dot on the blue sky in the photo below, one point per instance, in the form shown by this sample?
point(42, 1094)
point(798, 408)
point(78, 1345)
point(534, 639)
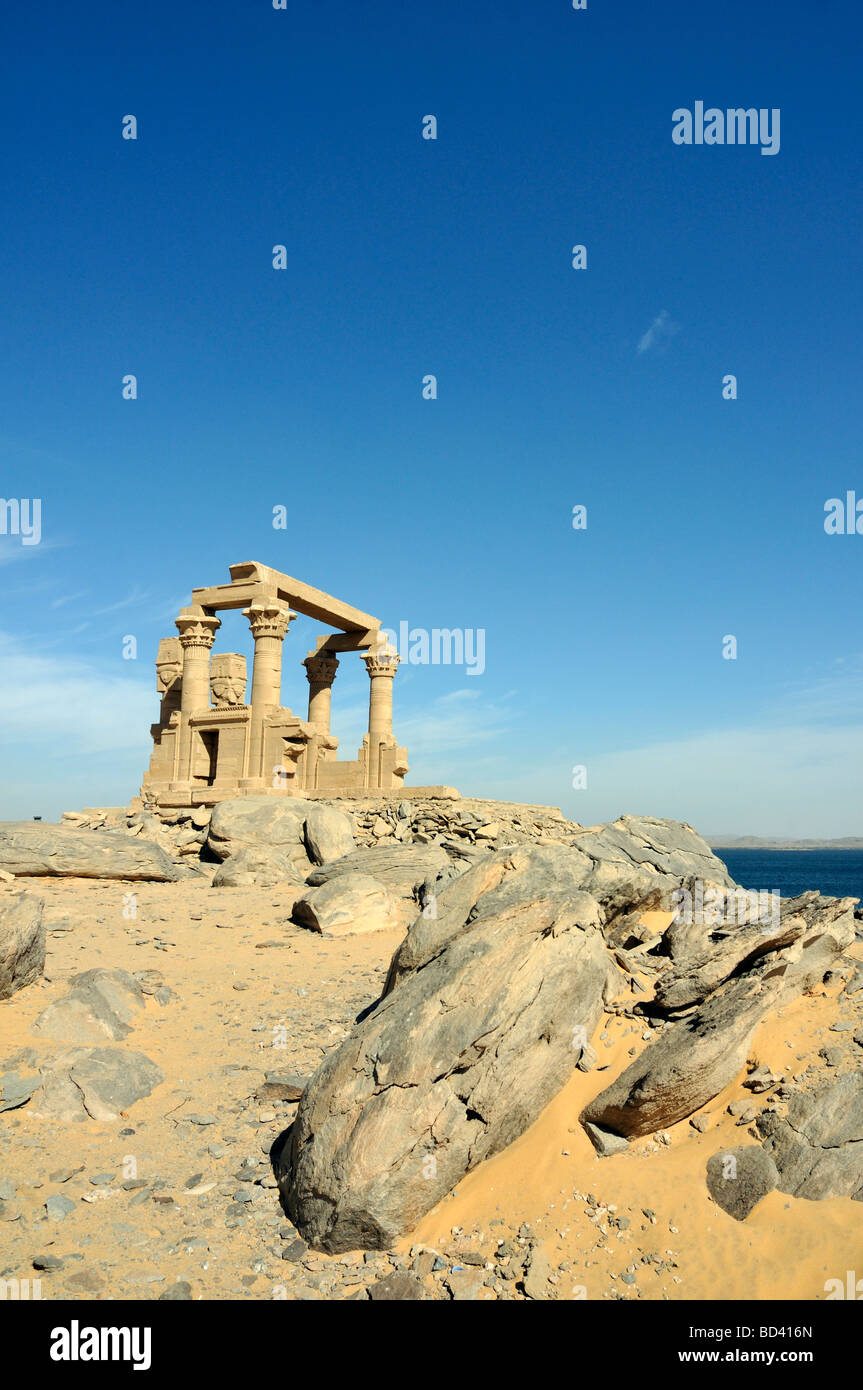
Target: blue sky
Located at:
point(406, 256)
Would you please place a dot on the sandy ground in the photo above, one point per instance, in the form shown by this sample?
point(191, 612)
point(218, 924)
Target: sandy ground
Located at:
point(253, 994)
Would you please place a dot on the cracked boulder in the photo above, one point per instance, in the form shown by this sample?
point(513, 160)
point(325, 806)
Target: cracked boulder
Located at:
point(37, 849)
point(99, 1083)
point(696, 1057)
point(647, 851)
point(347, 905)
point(705, 954)
point(403, 869)
point(261, 866)
point(303, 831)
point(22, 943)
point(453, 1064)
point(101, 1004)
point(818, 1145)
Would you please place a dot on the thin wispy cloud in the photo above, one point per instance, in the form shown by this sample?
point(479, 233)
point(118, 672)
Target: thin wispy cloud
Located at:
point(834, 695)
point(457, 720)
point(659, 332)
point(138, 595)
point(84, 708)
point(12, 550)
point(69, 598)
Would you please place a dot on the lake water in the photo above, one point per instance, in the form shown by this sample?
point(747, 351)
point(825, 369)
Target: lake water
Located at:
point(838, 873)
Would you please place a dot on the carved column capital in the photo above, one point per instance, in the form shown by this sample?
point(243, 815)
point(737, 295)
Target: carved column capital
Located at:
point(197, 629)
point(382, 662)
point(321, 670)
point(268, 618)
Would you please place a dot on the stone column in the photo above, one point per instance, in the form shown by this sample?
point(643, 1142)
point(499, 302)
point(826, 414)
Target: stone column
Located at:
point(197, 631)
point(381, 665)
point(269, 621)
point(321, 672)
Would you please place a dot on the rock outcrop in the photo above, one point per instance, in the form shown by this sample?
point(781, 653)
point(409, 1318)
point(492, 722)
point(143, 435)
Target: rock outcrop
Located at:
point(818, 1146)
point(453, 1064)
point(101, 1004)
point(402, 869)
point(22, 943)
point(489, 1004)
point(694, 1058)
point(34, 848)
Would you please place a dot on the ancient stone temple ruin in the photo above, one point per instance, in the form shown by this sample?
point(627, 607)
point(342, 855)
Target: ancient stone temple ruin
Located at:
point(214, 741)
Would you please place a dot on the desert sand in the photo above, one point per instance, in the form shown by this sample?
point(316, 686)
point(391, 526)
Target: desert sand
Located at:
point(178, 1197)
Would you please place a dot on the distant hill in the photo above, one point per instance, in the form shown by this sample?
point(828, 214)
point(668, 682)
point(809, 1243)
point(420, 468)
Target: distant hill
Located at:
point(768, 842)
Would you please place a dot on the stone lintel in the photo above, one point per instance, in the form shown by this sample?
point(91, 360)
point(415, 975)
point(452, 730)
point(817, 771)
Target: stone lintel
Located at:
point(250, 581)
point(328, 642)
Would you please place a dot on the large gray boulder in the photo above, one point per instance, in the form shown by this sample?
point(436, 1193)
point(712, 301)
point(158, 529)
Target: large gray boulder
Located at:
point(348, 905)
point(34, 848)
point(255, 821)
point(22, 943)
point(818, 1146)
point(695, 1058)
point(445, 914)
point(305, 831)
point(667, 847)
point(260, 866)
point(687, 1065)
point(329, 834)
point(401, 868)
point(450, 1067)
point(523, 872)
point(101, 1004)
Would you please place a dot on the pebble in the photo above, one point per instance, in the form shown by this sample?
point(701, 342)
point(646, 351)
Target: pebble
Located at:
point(47, 1262)
point(176, 1292)
point(59, 1207)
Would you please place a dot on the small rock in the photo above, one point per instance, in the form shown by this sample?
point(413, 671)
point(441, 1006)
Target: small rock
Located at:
point(605, 1141)
point(181, 1291)
point(399, 1286)
point(738, 1178)
point(86, 1281)
point(59, 1207)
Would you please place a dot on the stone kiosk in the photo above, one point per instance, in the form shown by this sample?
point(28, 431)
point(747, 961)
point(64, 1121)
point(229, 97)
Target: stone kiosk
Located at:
point(213, 741)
